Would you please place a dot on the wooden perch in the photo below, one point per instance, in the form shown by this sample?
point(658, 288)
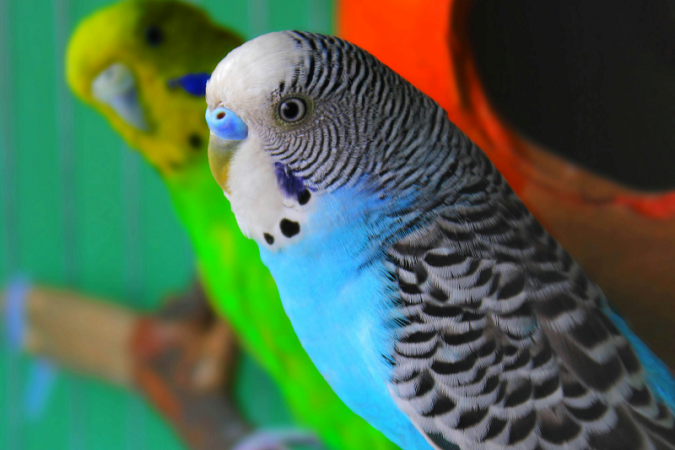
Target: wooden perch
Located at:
point(181, 359)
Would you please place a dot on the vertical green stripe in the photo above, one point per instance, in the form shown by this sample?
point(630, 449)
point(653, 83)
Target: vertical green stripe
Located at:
point(39, 190)
point(65, 143)
point(100, 251)
point(131, 200)
point(38, 183)
point(65, 131)
point(258, 17)
point(8, 261)
point(133, 273)
point(287, 15)
point(233, 14)
point(9, 375)
point(168, 259)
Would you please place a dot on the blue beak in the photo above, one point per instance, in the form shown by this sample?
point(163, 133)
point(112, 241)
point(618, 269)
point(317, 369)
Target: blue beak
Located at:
point(226, 125)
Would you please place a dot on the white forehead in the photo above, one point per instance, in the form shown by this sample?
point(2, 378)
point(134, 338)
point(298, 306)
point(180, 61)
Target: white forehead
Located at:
point(249, 73)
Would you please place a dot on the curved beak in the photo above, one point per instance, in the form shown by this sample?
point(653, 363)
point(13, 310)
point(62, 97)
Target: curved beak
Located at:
point(116, 87)
point(220, 153)
point(227, 131)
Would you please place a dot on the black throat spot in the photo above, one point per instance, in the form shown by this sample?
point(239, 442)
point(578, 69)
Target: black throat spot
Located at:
point(289, 228)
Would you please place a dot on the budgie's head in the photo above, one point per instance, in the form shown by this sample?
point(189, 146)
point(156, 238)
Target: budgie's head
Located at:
point(142, 64)
point(294, 116)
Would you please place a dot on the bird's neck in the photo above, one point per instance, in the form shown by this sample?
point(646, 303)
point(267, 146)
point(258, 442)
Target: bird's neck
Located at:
point(202, 208)
point(196, 194)
point(426, 158)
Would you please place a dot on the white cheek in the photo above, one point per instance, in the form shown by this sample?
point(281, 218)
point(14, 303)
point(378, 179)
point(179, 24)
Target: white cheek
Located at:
point(257, 203)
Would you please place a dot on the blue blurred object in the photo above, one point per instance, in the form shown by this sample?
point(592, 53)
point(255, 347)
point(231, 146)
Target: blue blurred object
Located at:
point(42, 374)
point(192, 83)
point(15, 320)
point(41, 379)
point(279, 439)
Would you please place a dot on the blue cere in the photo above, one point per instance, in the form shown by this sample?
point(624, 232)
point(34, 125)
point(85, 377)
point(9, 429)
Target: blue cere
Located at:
point(226, 125)
point(192, 83)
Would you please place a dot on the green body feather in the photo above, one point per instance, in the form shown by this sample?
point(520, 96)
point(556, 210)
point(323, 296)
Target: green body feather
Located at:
point(238, 284)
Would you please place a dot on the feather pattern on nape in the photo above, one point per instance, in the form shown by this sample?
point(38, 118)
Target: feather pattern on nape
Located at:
point(502, 342)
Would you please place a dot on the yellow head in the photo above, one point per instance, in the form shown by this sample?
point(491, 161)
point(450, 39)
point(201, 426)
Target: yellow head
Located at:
point(125, 61)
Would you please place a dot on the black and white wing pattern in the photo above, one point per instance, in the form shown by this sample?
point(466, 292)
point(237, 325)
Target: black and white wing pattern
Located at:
point(502, 342)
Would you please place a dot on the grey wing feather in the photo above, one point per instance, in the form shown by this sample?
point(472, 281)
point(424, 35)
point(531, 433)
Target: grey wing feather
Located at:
point(502, 341)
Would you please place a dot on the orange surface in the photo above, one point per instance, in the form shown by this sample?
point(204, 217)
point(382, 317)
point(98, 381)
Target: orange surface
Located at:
point(425, 42)
point(625, 239)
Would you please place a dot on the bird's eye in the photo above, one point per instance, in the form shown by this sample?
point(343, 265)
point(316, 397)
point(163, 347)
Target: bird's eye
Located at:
point(292, 109)
point(153, 35)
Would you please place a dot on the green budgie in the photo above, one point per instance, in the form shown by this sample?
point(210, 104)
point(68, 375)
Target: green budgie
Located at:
point(144, 65)
point(432, 301)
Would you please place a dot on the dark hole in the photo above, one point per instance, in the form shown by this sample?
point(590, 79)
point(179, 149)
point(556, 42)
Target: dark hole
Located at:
point(269, 238)
point(153, 35)
point(220, 115)
point(596, 85)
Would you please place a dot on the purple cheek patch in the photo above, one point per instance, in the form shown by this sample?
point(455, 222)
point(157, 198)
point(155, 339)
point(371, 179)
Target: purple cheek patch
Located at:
point(291, 186)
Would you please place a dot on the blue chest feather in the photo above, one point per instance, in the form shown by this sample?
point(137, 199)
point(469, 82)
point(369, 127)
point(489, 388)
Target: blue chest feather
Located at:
point(334, 300)
point(659, 378)
point(336, 292)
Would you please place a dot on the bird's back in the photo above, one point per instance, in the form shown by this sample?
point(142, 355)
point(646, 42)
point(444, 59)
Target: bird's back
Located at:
point(505, 340)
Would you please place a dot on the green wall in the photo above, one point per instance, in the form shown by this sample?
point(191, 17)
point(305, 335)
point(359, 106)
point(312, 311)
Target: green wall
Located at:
point(80, 210)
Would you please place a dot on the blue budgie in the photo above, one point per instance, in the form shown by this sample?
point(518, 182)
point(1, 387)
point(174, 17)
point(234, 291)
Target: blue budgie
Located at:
point(430, 299)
